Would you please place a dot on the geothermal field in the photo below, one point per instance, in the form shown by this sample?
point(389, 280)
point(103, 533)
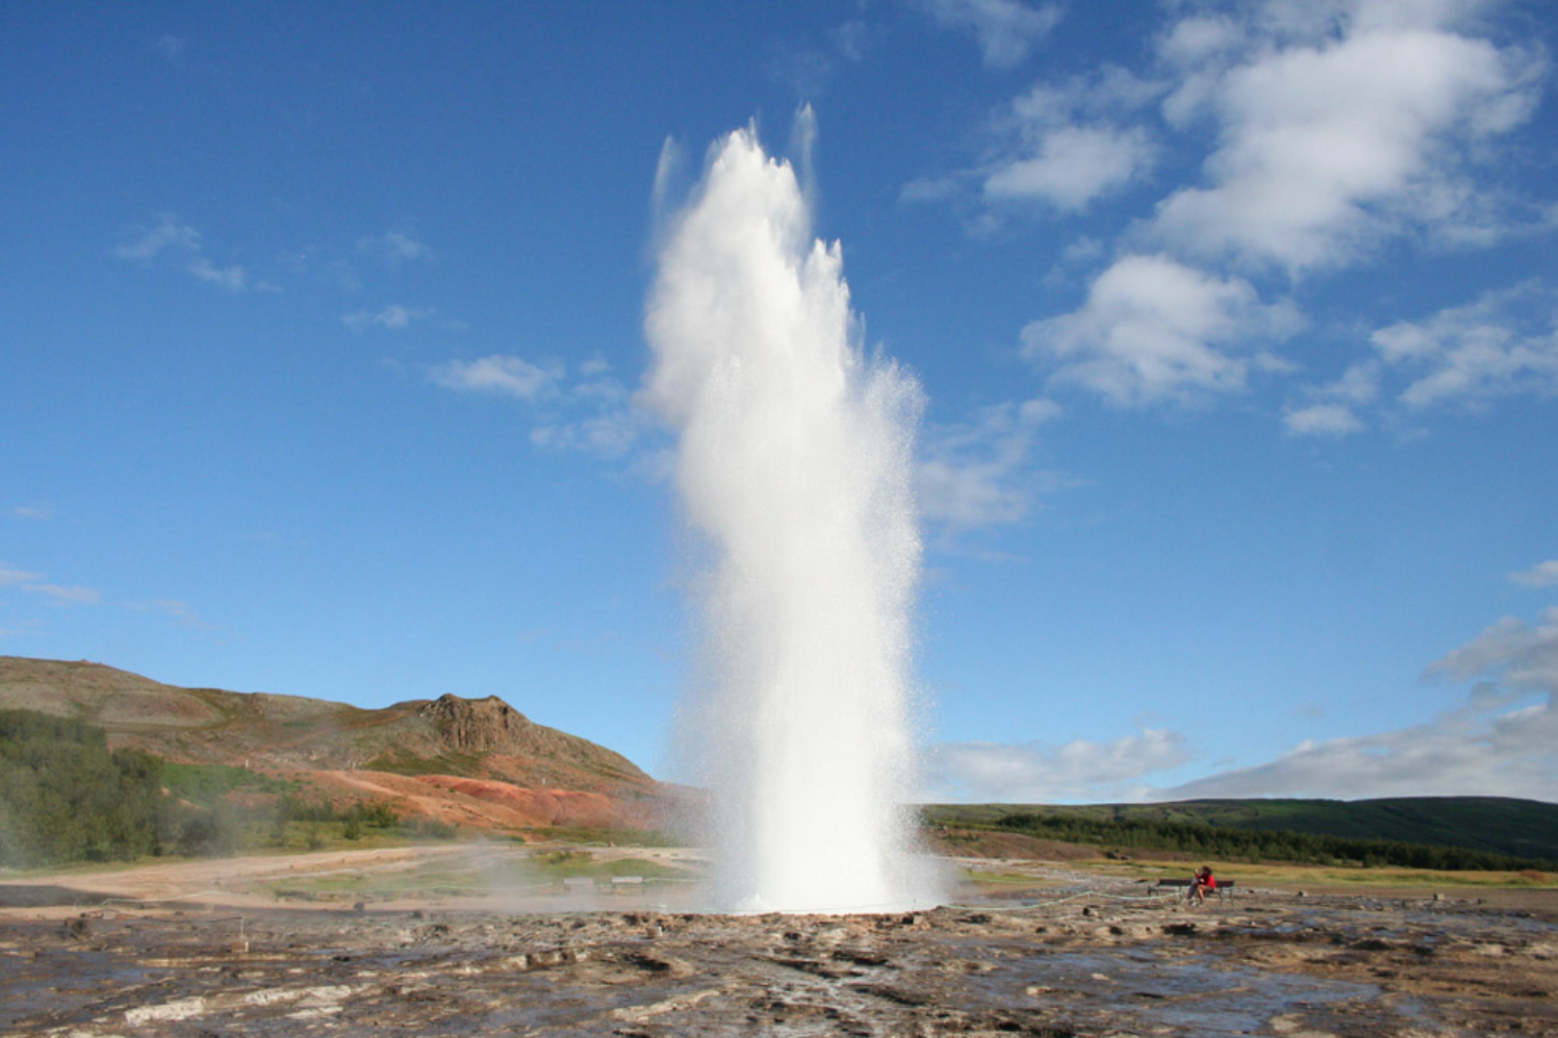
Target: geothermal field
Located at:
point(809, 909)
point(463, 940)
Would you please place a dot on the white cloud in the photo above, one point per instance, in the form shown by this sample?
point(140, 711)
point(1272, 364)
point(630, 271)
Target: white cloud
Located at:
point(1543, 574)
point(1508, 755)
point(393, 247)
point(610, 434)
point(976, 474)
point(1153, 329)
point(989, 772)
point(1323, 130)
point(590, 413)
point(1497, 743)
point(502, 374)
point(595, 415)
point(1511, 651)
point(1072, 166)
point(1199, 39)
point(392, 317)
point(1501, 740)
point(1336, 412)
point(1329, 141)
point(1503, 344)
point(233, 278)
point(38, 512)
point(169, 233)
point(1006, 30)
point(1321, 420)
point(1063, 145)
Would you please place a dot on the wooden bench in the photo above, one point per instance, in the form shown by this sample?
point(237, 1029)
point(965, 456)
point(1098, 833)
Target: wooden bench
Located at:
point(1223, 890)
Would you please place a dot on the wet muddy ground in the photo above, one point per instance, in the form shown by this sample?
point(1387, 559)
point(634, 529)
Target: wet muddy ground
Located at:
point(1080, 960)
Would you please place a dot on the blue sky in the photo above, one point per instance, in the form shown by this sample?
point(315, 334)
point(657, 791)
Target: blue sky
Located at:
point(321, 328)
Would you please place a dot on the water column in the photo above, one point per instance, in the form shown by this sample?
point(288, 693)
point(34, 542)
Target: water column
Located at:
point(794, 471)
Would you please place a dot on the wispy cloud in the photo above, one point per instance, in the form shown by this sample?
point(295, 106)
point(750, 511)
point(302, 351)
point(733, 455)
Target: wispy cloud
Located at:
point(169, 46)
point(1498, 742)
point(40, 513)
point(11, 576)
point(587, 410)
point(1543, 574)
point(502, 374)
point(170, 239)
point(34, 583)
point(178, 611)
point(234, 278)
point(977, 474)
point(393, 247)
point(1059, 147)
point(1080, 770)
point(1503, 344)
point(392, 317)
point(168, 233)
point(74, 594)
point(807, 68)
point(1333, 409)
point(610, 434)
point(1006, 31)
point(1322, 420)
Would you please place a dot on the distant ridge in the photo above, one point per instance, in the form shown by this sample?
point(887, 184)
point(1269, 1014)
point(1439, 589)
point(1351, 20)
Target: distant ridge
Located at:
point(476, 761)
point(1496, 825)
point(1503, 825)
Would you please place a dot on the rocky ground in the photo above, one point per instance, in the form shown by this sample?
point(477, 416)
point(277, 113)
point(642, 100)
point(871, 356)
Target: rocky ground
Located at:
point(1075, 956)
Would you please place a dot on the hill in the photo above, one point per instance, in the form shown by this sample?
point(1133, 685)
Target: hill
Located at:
point(1494, 825)
point(476, 762)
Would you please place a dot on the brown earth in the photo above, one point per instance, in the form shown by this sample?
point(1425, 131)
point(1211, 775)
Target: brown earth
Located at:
point(1086, 958)
point(983, 843)
point(474, 762)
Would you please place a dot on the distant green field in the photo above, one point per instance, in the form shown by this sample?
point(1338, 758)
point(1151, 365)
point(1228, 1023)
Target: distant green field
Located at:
point(1494, 832)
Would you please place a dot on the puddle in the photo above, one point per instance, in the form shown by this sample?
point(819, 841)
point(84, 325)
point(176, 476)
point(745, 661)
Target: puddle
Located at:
point(1202, 994)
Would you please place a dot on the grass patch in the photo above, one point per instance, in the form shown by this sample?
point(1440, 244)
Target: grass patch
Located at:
point(400, 762)
point(985, 877)
point(602, 837)
point(1278, 874)
point(205, 783)
point(468, 878)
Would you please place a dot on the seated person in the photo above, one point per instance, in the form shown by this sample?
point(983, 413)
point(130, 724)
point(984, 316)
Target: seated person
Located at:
point(1203, 882)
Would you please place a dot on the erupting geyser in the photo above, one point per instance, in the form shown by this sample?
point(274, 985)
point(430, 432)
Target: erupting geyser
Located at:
point(795, 466)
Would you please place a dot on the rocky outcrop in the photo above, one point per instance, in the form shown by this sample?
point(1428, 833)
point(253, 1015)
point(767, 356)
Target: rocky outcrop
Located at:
point(476, 725)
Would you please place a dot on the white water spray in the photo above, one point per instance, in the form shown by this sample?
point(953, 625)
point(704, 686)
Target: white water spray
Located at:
point(795, 464)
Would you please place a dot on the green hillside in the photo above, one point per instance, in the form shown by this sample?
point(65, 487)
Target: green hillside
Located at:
point(1526, 829)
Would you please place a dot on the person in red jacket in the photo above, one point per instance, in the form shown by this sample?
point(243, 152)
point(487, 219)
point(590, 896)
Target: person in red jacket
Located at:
point(1199, 887)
